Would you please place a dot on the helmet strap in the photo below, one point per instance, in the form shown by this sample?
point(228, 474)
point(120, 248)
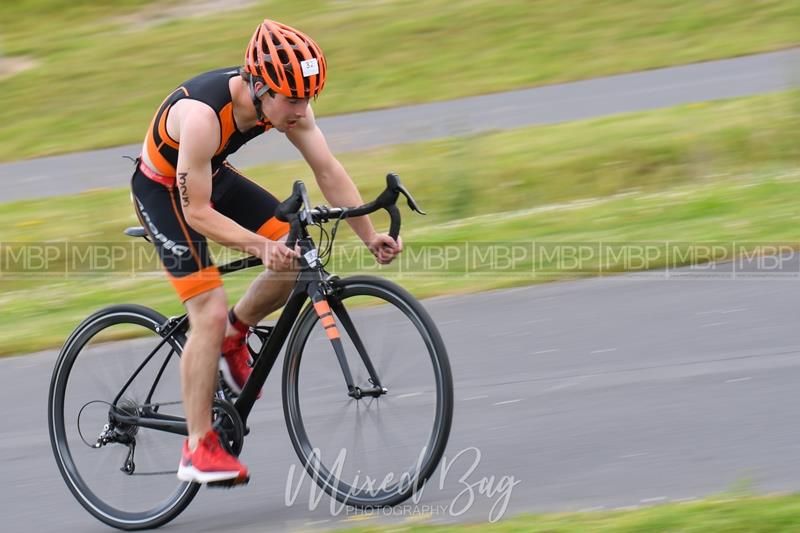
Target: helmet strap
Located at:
point(254, 94)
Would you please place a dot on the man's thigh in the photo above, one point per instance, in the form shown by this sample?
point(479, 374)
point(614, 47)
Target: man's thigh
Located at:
point(247, 203)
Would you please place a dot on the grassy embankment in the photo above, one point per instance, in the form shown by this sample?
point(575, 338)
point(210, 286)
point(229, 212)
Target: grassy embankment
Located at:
point(718, 171)
point(722, 515)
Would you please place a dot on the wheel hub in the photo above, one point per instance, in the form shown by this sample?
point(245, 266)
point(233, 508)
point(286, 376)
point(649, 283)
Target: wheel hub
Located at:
point(126, 407)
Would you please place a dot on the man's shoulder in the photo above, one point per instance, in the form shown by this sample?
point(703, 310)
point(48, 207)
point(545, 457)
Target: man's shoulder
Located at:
point(208, 93)
point(196, 112)
point(199, 125)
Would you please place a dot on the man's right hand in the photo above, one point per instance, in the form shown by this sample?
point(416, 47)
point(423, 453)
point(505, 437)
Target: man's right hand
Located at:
point(279, 257)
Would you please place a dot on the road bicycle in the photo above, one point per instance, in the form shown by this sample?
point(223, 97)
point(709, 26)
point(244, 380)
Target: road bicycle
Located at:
point(366, 387)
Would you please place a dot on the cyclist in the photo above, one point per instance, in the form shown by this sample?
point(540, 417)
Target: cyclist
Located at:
point(185, 191)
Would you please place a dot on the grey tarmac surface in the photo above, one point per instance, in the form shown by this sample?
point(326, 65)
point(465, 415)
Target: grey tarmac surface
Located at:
point(756, 74)
point(602, 393)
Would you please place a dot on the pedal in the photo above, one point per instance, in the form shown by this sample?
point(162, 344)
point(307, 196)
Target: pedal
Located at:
point(228, 483)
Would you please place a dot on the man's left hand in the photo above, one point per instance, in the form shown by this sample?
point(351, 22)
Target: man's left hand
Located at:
point(384, 248)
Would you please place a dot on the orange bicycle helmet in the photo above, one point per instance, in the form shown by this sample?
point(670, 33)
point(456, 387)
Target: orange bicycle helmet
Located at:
point(286, 60)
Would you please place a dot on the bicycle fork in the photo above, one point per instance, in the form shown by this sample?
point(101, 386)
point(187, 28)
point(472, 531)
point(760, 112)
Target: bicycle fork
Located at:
point(328, 309)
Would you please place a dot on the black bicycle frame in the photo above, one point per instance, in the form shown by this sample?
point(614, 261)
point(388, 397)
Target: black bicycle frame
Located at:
point(310, 285)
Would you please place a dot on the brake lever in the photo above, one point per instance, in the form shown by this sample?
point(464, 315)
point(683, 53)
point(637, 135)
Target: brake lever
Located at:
point(411, 202)
point(394, 184)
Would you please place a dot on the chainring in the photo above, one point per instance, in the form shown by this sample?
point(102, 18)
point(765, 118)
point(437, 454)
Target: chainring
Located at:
point(228, 425)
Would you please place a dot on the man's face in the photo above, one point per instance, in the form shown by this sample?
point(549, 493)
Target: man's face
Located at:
point(284, 112)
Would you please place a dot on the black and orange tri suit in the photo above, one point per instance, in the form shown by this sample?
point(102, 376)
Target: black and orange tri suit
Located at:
point(182, 250)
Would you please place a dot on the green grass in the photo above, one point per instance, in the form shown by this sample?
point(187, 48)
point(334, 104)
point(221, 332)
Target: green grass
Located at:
point(720, 515)
point(99, 80)
point(719, 171)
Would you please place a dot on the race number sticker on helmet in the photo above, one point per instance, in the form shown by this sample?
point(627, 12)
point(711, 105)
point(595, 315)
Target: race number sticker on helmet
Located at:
point(310, 67)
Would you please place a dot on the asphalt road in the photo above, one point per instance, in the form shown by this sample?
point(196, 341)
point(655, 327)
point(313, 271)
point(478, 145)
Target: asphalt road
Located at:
point(602, 393)
point(639, 91)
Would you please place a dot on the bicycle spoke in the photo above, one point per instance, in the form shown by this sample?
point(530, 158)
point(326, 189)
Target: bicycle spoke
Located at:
point(359, 438)
point(337, 423)
point(388, 352)
point(106, 379)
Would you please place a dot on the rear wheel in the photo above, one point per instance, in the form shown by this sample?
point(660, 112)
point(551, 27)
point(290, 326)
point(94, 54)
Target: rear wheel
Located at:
point(374, 450)
point(125, 475)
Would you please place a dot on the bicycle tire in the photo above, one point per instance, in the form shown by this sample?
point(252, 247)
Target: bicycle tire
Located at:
point(91, 327)
point(433, 451)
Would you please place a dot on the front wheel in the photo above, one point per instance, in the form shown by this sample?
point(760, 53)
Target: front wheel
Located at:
point(369, 450)
point(123, 474)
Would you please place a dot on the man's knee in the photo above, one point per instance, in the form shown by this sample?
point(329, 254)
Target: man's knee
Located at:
point(283, 280)
point(208, 311)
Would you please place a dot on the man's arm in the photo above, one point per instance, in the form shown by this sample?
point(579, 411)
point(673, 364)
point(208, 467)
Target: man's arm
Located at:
point(199, 132)
point(337, 186)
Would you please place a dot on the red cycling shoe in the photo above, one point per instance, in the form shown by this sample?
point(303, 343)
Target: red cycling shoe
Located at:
point(210, 462)
point(235, 362)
